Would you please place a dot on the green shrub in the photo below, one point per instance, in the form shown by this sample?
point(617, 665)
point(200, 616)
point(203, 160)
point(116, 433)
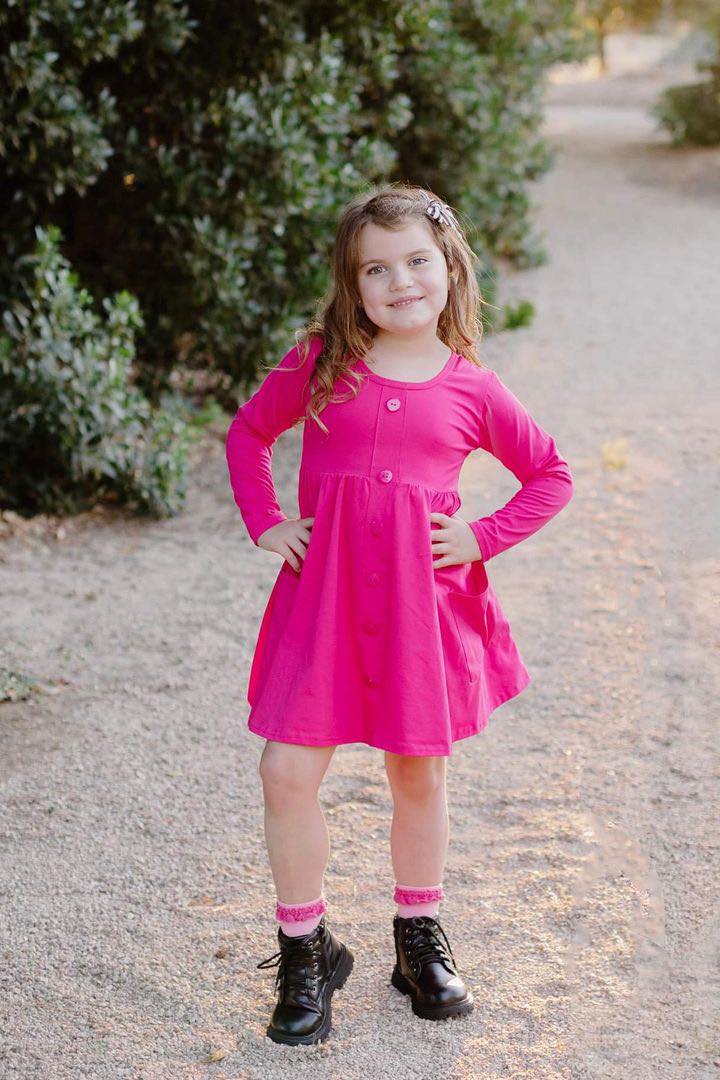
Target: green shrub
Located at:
point(691, 113)
point(520, 314)
point(198, 155)
point(73, 430)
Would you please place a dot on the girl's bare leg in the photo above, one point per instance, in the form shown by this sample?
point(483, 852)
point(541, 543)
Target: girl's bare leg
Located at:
point(296, 831)
point(420, 824)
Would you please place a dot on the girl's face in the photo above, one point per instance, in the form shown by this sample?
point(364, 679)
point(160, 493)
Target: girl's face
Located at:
point(398, 266)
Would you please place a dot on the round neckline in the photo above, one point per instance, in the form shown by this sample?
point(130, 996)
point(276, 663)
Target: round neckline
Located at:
point(410, 385)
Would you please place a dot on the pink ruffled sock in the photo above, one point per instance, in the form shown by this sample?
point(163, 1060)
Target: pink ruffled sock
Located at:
point(418, 900)
point(298, 919)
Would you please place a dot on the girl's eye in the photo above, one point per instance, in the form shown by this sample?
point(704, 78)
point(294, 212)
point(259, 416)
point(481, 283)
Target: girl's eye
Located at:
point(416, 259)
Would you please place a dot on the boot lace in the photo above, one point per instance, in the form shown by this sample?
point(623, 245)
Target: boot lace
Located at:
point(425, 943)
point(297, 964)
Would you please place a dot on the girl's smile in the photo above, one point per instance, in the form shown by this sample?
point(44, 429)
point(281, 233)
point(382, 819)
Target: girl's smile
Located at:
point(406, 302)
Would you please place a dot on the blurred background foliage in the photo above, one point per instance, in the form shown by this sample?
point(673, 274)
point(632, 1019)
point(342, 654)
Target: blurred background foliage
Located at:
point(171, 177)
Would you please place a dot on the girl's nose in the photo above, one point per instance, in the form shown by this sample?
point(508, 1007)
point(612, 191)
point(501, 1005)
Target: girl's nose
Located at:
point(401, 281)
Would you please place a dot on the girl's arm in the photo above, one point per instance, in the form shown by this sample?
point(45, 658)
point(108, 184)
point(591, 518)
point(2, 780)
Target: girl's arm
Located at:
point(276, 406)
point(508, 431)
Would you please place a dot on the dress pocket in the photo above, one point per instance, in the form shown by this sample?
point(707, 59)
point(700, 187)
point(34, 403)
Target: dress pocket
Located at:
point(475, 623)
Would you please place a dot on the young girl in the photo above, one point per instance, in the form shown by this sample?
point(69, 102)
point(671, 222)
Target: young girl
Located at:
point(381, 627)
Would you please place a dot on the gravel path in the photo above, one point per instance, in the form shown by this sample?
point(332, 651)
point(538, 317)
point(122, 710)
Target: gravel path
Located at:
point(582, 879)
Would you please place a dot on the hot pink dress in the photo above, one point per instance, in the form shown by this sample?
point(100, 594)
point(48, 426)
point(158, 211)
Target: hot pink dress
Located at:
point(368, 642)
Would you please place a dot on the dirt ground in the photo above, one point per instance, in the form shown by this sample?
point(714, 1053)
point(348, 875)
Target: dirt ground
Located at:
point(582, 877)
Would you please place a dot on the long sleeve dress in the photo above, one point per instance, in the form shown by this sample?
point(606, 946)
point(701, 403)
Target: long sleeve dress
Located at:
point(368, 642)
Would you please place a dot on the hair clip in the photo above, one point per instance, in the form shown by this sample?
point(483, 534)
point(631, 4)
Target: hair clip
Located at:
point(440, 211)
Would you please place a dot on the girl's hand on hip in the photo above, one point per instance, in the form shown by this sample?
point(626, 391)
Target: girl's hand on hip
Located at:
point(454, 541)
point(290, 539)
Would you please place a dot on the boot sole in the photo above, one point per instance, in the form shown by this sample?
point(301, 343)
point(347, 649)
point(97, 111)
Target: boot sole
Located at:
point(336, 982)
point(430, 1012)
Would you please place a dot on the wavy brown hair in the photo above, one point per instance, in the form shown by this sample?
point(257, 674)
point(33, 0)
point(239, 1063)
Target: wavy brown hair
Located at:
point(346, 331)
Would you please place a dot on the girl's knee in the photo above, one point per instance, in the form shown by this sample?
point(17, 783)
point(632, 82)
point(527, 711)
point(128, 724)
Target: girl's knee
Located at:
point(290, 772)
point(415, 776)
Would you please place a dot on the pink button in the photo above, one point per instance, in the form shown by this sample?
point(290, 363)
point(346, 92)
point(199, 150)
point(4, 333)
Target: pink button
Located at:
point(375, 527)
point(371, 628)
point(373, 579)
point(370, 681)
point(393, 404)
point(386, 476)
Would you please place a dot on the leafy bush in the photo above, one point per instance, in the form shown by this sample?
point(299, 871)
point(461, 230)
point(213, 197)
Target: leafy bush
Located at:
point(520, 314)
point(198, 155)
point(72, 427)
point(691, 112)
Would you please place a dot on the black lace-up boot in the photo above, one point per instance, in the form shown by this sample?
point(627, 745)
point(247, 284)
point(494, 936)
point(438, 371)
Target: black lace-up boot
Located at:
point(310, 969)
point(426, 970)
